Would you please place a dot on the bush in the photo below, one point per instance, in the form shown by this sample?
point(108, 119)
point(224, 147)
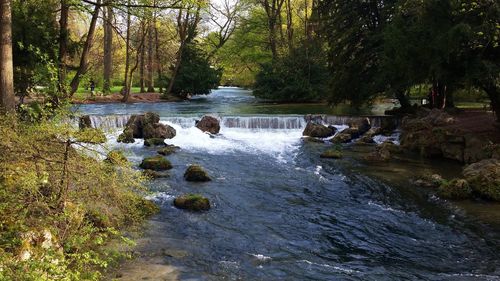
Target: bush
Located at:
point(59, 204)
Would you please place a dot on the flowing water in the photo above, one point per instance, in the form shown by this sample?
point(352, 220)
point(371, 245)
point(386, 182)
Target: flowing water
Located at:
point(279, 212)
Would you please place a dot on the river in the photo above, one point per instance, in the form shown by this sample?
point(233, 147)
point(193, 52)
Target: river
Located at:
point(279, 212)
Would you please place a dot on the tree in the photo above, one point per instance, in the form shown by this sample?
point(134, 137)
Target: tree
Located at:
point(188, 19)
point(108, 48)
point(7, 101)
point(300, 76)
point(353, 31)
point(273, 12)
point(195, 75)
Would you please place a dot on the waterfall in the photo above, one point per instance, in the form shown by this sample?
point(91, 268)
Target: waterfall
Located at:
point(113, 122)
point(109, 122)
point(264, 122)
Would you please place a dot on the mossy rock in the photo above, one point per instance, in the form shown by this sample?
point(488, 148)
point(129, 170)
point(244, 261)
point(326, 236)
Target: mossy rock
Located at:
point(331, 154)
point(192, 202)
point(456, 189)
point(127, 136)
point(116, 157)
point(91, 135)
point(156, 163)
point(167, 150)
point(196, 173)
point(154, 174)
point(484, 178)
point(155, 142)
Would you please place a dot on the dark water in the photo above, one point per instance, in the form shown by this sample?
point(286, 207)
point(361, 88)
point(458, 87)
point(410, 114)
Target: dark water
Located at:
point(279, 212)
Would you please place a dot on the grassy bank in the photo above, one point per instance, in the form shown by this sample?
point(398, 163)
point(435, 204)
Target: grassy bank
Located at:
point(60, 202)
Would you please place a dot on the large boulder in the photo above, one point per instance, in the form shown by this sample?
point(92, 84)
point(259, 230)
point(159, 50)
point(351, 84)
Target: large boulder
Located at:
point(318, 131)
point(368, 136)
point(342, 138)
point(192, 202)
point(146, 126)
point(195, 173)
point(209, 124)
point(484, 178)
point(155, 163)
point(357, 127)
point(158, 130)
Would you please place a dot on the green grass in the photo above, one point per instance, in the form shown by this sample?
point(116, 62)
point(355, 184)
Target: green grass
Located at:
point(473, 105)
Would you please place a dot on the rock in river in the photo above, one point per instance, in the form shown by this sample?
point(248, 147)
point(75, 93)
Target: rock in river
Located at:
point(192, 202)
point(209, 124)
point(156, 163)
point(196, 173)
point(318, 131)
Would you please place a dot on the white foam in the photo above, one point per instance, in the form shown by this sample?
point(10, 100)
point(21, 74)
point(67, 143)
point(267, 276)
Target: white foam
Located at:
point(261, 257)
point(159, 197)
point(336, 268)
point(281, 144)
point(394, 138)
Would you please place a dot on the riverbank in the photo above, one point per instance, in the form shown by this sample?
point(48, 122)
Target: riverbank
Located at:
point(134, 98)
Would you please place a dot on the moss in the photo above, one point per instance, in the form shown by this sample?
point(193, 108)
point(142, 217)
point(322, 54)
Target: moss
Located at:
point(91, 135)
point(193, 202)
point(127, 136)
point(167, 150)
point(456, 189)
point(486, 188)
point(196, 173)
point(156, 163)
point(154, 142)
point(331, 154)
point(154, 174)
point(116, 157)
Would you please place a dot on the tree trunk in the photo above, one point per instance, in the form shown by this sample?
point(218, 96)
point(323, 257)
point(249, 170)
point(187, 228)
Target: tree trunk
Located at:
point(494, 94)
point(126, 87)
point(108, 49)
point(175, 71)
point(158, 63)
point(150, 66)
point(82, 69)
point(289, 25)
point(141, 69)
point(63, 46)
point(7, 99)
point(272, 37)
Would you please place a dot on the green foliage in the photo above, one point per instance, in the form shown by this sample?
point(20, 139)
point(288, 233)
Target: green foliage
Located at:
point(35, 33)
point(301, 76)
point(59, 204)
point(196, 75)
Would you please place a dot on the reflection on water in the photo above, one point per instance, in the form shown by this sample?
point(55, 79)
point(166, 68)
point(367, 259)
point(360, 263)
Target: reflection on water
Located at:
point(279, 212)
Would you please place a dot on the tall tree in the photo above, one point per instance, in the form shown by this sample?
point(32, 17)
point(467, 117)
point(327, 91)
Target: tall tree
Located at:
point(150, 64)
point(83, 67)
point(7, 100)
point(273, 11)
point(63, 45)
point(108, 48)
point(188, 19)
